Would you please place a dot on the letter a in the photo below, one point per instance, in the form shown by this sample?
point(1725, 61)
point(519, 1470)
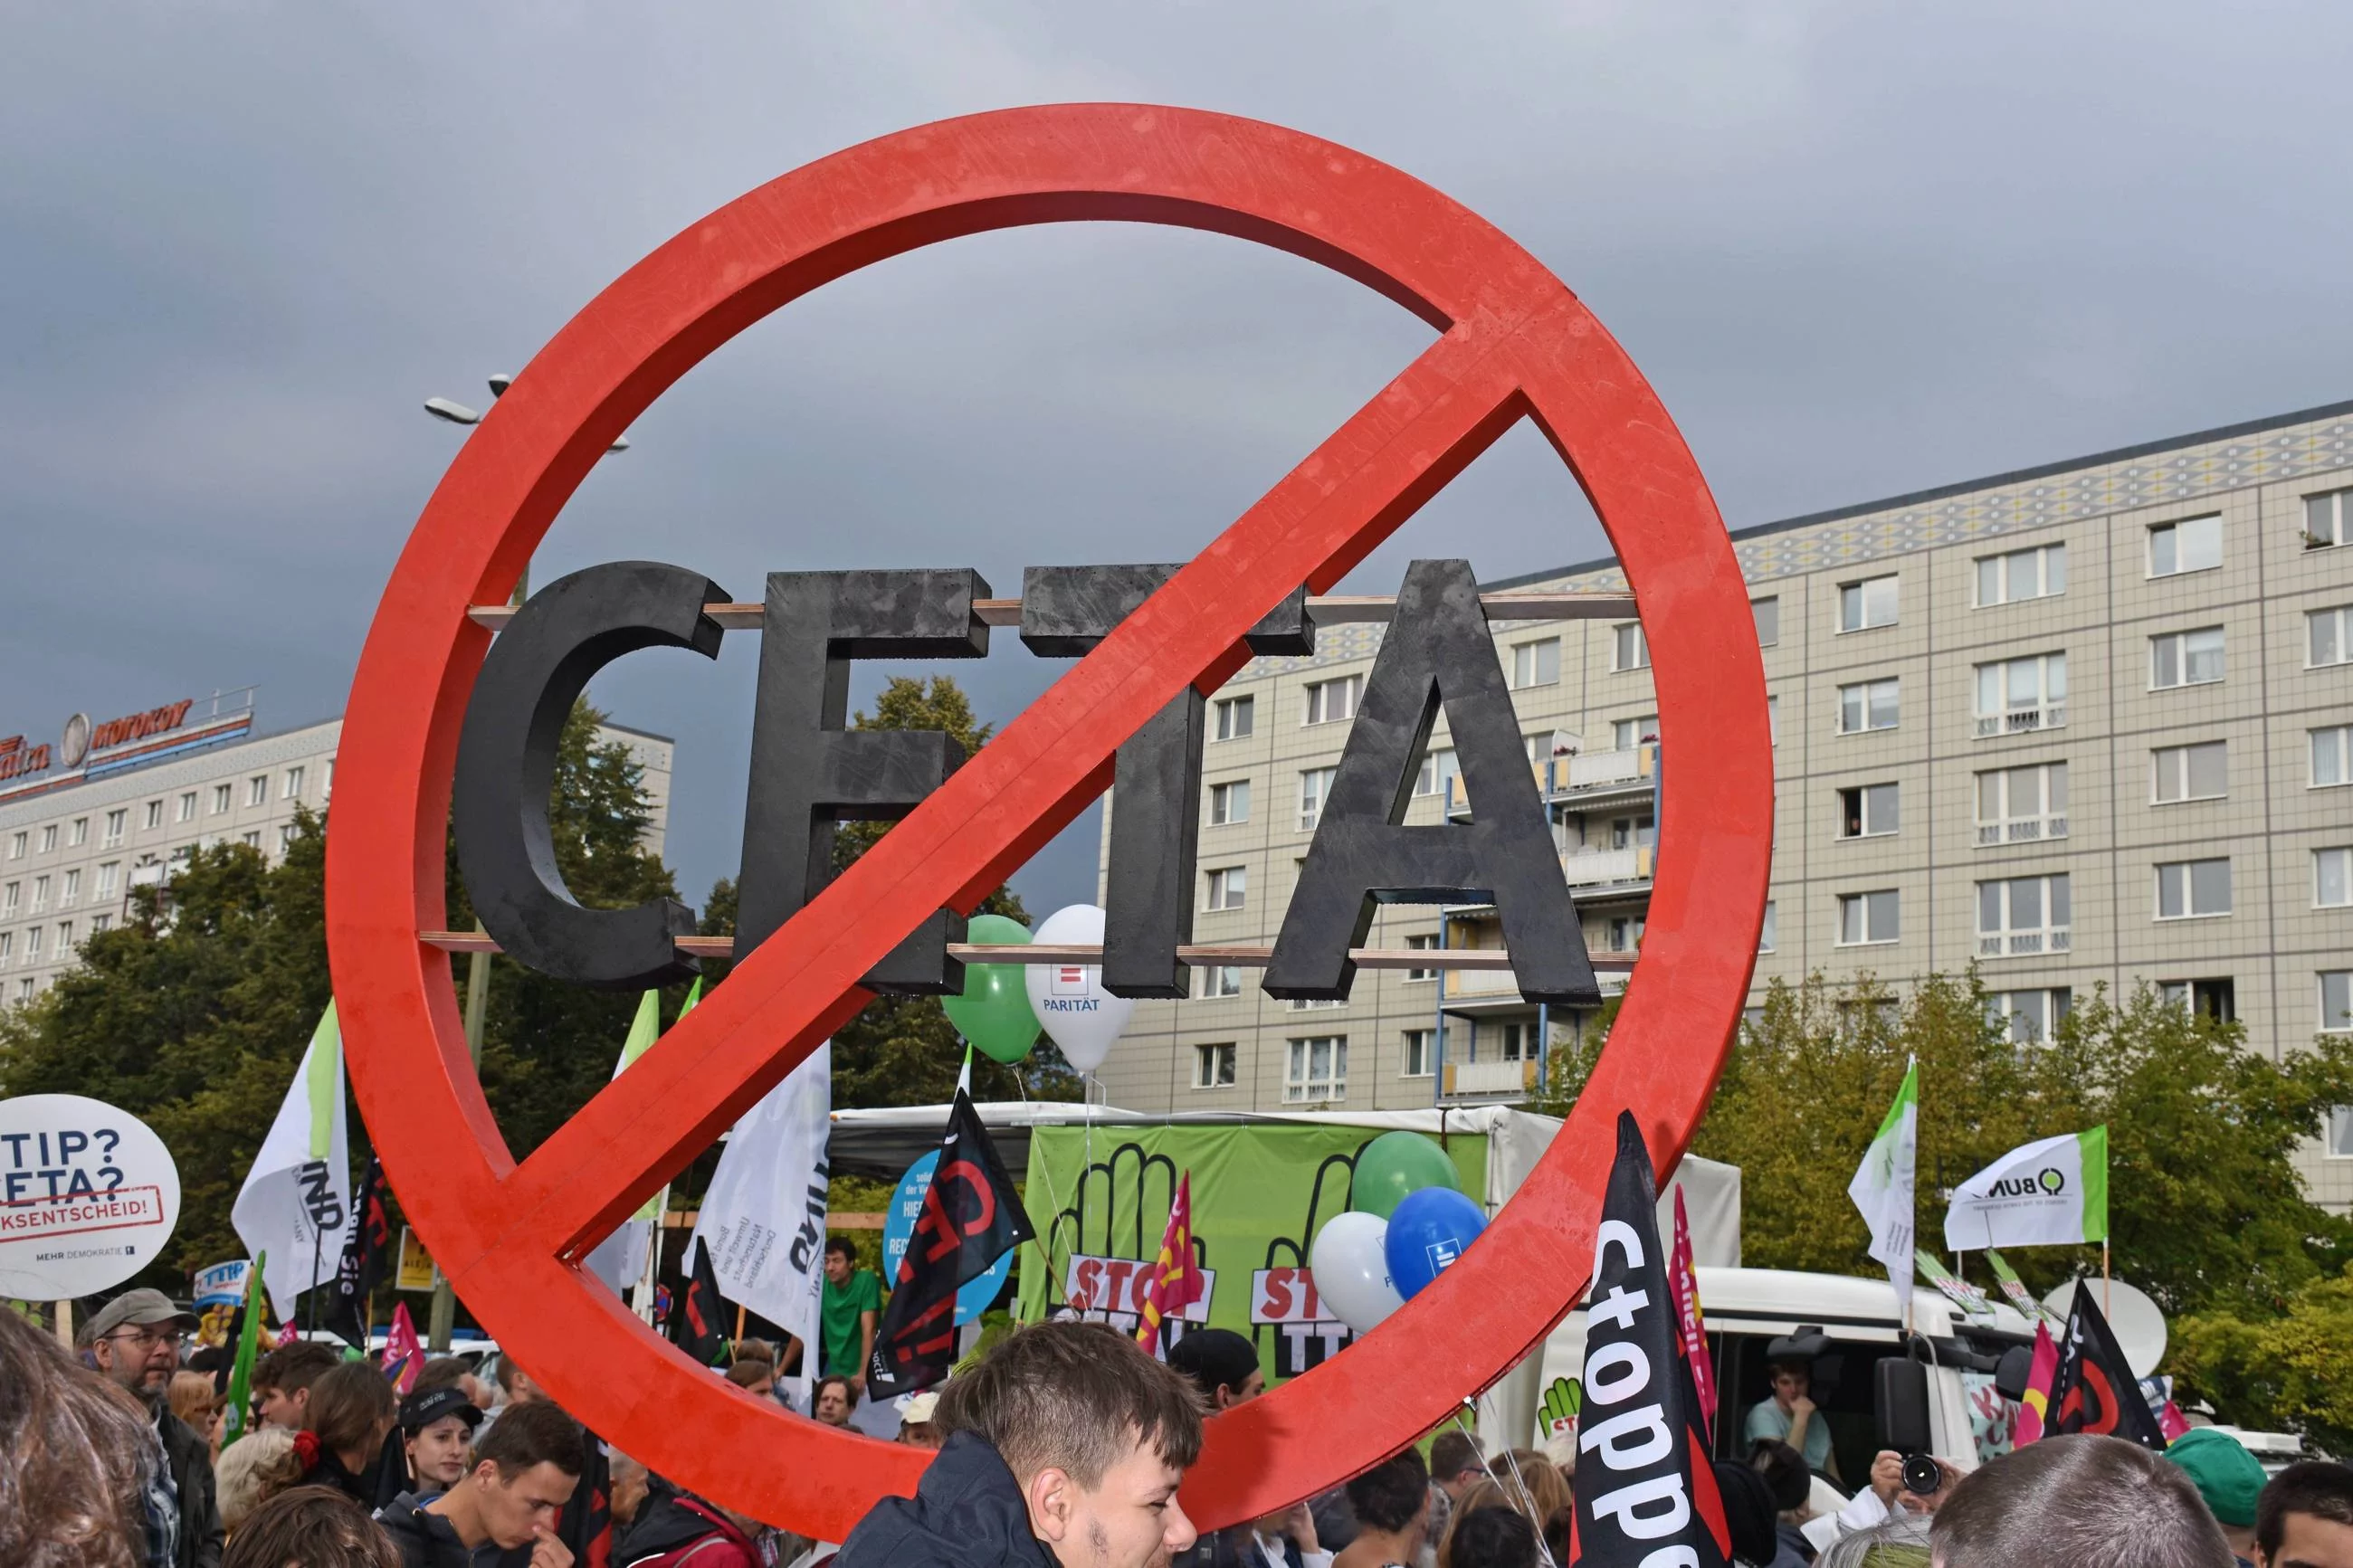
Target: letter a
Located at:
point(1438, 650)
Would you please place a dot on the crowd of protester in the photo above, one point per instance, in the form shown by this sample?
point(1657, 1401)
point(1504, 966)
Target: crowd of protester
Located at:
point(1065, 1447)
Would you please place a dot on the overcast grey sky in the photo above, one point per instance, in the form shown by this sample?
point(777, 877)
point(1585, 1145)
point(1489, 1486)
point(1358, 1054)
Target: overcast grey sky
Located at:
point(1858, 248)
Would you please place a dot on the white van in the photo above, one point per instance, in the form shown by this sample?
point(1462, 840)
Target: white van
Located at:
point(1747, 1309)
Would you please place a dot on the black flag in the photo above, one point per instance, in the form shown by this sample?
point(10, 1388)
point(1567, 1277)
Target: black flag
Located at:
point(1645, 1490)
point(699, 1325)
point(366, 1244)
point(971, 1218)
point(2094, 1389)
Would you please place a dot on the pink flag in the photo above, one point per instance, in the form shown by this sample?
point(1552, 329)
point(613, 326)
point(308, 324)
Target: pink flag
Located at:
point(2171, 1422)
point(404, 1356)
point(2039, 1375)
point(1684, 1280)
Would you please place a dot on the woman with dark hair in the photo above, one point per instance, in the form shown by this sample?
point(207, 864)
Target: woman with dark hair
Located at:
point(314, 1527)
point(1391, 1502)
point(79, 1459)
point(1493, 1538)
point(348, 1418)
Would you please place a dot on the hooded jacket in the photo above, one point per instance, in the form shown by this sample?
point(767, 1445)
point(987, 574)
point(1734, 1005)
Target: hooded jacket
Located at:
point(670, 1523)
point(967, 1512)
point(426, 1540)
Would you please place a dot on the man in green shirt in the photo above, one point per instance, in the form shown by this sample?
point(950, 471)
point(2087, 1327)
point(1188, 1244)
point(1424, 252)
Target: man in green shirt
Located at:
point(853, 1306)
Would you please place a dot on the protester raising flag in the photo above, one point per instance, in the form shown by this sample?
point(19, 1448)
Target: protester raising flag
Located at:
point(1645, 1490)
point(359, 1269)
point(403, 1352)
point(1176, 1281)
point(297, 1195)
point(2050, 1193)
point(972, 1217)
point(2094, 1389)
point(1881, 1187)
point(619, 1260)
point(1689, 1324)
point(699, 1326)
point(236, 1404)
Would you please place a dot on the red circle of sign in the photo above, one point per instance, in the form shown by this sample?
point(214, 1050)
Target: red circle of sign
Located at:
point(1513, 343)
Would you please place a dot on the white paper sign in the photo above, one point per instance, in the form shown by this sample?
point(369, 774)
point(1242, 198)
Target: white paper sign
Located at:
point(88, 1196)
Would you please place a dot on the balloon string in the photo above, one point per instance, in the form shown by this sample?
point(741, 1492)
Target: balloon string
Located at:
point(1519, 1483)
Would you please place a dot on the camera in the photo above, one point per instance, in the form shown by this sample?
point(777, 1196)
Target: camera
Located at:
point(1922, 1477)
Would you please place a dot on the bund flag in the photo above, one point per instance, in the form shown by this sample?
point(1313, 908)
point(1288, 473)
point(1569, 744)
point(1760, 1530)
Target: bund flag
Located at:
point(699, 1327)
point(2094, 1389)
point(971, 1217)
point(1645, 1490)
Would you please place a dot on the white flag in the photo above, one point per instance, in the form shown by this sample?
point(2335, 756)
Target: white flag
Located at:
point(762, 1220)
point(619, 1260)
point(1881, 1187)
point(2050, 1193)
point(296, 1196)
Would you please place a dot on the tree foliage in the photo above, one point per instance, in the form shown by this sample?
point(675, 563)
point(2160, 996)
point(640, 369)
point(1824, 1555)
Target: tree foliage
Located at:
point(2289, 1373)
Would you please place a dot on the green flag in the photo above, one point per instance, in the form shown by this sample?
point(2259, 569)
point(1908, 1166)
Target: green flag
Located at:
point(249, 1339)
point(1881, 1188)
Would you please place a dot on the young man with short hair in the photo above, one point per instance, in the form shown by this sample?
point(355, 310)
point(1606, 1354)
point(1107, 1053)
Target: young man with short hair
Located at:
point(850, 1308)
point(436, 1427)
point(2304, 1517)
point(1789, 1416)
point(281, 1381)
point(1064, 1450)
point(2076, 1501)
point(523, 1472)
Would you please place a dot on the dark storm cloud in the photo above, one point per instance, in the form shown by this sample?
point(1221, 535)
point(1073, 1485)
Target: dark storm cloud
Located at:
point(1860, 249)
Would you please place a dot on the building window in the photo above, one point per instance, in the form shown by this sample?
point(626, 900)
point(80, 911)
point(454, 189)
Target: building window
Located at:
point(2332, 878)
point(1867, 917)
point(1215, 981)
point(80, 835)
point(2193, 544)
point(32, 945)
point(2037, 574)
point(99, 923)
point(1314, 789)
point(1622, 934)
point(1629, 649)
point(8, 944)
point(154, 814)
point(286, 836)
point(1768, 612)
point(24, 991)
point(1318, 1069)
point(1867, 811)
point(1314, 1004)
point(12, 898)
point(40, 894)
point(1438, 770)
point(65, 937)
point(1517, 1042)
point(2328, 518)
point(71, 893)
point(2193, 889)
point(1227, 885)
point(2332, 756)
point(1628, 733)
point(1536, 663)
point(2215, 999)
point(1213, 1066)
point(1765, 933)
point(116, 821)
point(2022, 915)
point(2335, 1000)
point(2190, 772)
point(253, 839)
point(2018, 695)
point(327, 782)
point(2185, 659)
point(1867, 705)
point(1773, 720)
point(1627, 832)
point(1425, 941)
point(1415, 1061)
point(256, 790)
point(2027, 1017)
point(1332, 701)
point(16, 843)
point(187, 807)
point(221, 798)
point(1230, 803)
point(49, 840)
point(293, 787)
point(109, 876)
point(1233, 717)
point(2328, 636)
point(1868, 603)
point(2022, 805)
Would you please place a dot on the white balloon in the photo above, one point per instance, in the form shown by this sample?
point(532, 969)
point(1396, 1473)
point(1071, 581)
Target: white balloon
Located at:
point(1070, 1001)
point(1350, 1261)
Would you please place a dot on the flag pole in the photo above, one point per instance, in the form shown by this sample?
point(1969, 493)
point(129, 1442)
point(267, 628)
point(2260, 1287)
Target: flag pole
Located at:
point(2104, 1276)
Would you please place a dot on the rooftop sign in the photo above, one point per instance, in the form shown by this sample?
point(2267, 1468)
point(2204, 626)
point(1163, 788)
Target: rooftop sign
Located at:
point(84, 751)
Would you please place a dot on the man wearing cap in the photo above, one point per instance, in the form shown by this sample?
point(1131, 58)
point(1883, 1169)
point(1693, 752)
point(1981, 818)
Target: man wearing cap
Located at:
point(915, 1429)
point(2229, 1477)
point(437, 1429)
point(135, 1340)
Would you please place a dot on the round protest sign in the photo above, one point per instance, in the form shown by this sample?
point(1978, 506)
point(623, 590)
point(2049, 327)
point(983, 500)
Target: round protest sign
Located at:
point(898, 1225)
point(1510, 342)
point(88, 1196)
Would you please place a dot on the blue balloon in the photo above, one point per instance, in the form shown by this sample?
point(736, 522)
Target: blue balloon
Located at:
point(899, 1223)
point(1427, 1234)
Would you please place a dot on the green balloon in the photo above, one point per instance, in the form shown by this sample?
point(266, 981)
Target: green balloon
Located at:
point(994, 1011)
point(1393, 1164)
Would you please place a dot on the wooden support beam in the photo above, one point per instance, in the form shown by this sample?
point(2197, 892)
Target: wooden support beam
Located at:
point(1331, 609)
point(1206, 956)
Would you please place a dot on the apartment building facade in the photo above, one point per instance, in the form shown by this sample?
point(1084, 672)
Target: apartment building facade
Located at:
point(2086, 722)
point(93, 822)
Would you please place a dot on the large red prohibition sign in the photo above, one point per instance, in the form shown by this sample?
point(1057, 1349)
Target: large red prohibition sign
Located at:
point(1512, 343)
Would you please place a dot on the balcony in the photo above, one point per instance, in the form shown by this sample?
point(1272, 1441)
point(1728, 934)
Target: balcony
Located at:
point(1592, 775)
point(2022, 830)
point(1500, 1079)
point(2024, 943)
point(2022, 721)
point(1589, 868)
point(1478, 985)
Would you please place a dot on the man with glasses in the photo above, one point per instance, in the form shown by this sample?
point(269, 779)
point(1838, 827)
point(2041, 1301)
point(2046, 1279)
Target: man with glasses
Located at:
point(134, 1340)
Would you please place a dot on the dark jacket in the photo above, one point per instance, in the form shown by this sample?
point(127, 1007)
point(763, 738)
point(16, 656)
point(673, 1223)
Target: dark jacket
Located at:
point(1233, 1548)
point(426, 1540)
point(967, 1512)
point(671, 1523)
point(191, 1460)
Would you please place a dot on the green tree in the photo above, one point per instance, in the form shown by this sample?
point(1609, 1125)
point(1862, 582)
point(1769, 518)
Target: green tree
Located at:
point(902, 1050)
point(2289, 1373)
